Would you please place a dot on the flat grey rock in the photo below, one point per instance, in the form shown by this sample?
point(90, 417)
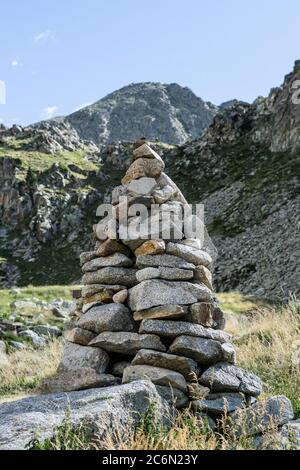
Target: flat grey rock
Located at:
point(108, 317)
point(168, 261)
point(143, 186)
point(76, 357)
point(225, 377)
point(219, 403)
point(121, 296)
point(157, 375)
point(188, 253)
point(127, 343)
point(115, 260)
point(157, 292)
point(92, 289)
point(78, 379)
point(147, 273)
point(185, 366)
point(172, 329)
point(107, 410)
point(176, 274)
point(124, 276)
point(203, 351)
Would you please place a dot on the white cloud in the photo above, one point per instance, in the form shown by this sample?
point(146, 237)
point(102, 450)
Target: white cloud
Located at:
point(15, 63)
point(44, 36)
point(84, 105)
point(49, 112)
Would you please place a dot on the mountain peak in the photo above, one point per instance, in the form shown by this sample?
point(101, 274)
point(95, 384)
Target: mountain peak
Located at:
point(169, 113)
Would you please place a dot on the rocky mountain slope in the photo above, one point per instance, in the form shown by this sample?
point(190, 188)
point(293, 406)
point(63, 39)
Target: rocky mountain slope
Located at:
point(245, 169)
point(168, 113)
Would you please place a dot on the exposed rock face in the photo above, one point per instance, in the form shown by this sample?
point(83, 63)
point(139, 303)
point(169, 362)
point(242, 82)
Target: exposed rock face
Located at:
point(169, 113)
point(106, 410)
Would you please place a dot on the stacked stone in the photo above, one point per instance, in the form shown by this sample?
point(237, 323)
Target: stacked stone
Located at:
point(147, 309)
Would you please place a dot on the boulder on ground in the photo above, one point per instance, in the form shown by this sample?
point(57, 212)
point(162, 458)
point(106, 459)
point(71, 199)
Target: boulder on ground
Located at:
point(106, 410)
point(262, 416)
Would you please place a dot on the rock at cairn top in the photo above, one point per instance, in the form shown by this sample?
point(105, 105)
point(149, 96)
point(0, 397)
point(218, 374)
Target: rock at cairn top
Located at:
point(146, 309)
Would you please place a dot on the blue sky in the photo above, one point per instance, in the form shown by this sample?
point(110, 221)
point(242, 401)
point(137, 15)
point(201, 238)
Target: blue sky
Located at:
point(58, 55)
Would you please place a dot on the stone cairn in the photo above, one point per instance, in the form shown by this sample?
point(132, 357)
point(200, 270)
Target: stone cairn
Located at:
point(146, 308)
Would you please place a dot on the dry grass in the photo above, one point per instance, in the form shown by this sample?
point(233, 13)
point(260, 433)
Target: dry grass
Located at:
point(186, 432)
point(267, 340)
point(26, 369)
point(268, 345)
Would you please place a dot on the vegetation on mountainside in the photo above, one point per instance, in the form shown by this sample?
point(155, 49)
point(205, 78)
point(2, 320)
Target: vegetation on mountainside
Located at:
point(38, 161)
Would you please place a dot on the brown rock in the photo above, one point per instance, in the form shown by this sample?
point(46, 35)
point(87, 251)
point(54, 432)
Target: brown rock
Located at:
point(90, 290)
point(151, 168)
point(202, 314)
point(109, 247)
point(105, 296)
point(121, 296)
point(145, 151)
point(163, 311)
point(139, 142)
point(151, 247)
point(115, 260)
